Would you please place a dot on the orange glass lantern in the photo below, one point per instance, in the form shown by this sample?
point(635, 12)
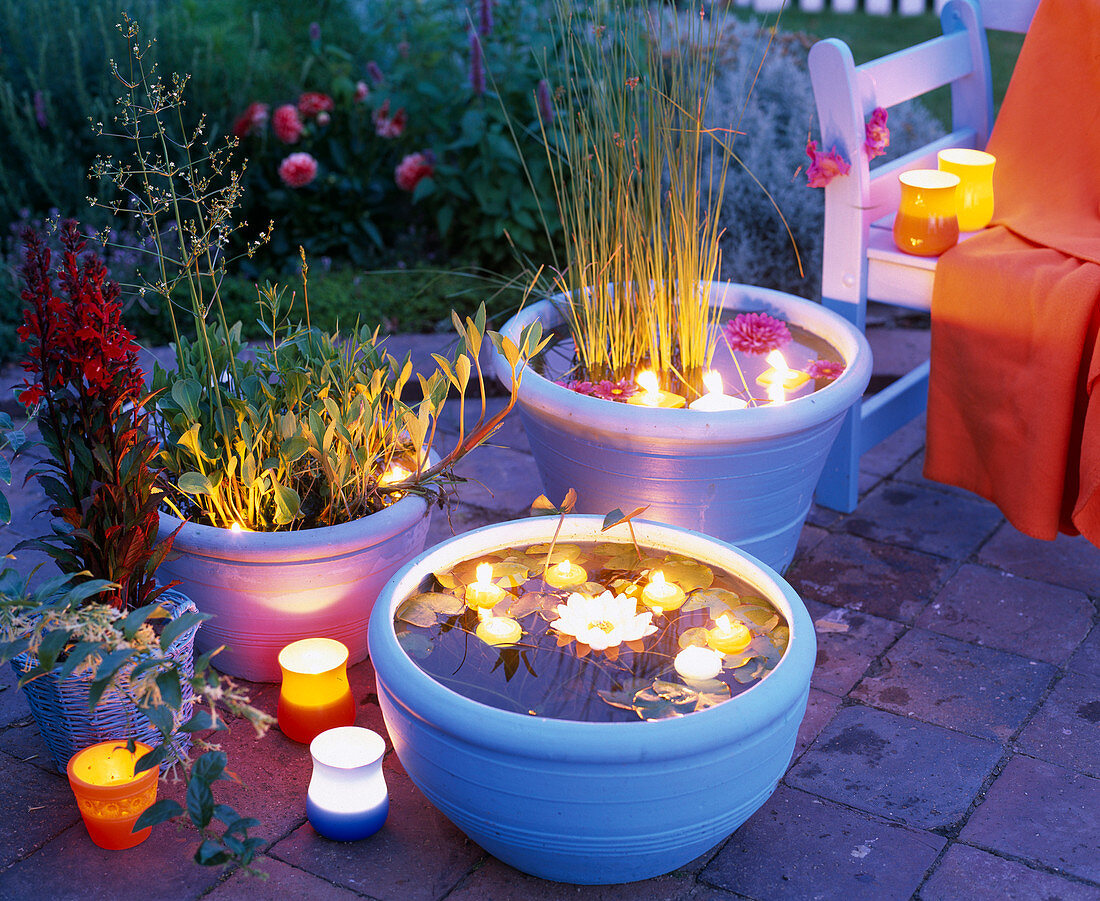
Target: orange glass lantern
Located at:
point(926, 224)
point(109, 795)
point(975, 191)
point(315, 695)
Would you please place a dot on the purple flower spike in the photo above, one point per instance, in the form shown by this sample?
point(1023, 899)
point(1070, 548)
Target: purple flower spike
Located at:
point(477, 67)
point(545, 101)
point(756, 333)
point(485, 23)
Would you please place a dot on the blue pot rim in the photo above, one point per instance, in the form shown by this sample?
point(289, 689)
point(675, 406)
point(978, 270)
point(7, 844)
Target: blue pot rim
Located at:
point(540, 393)
point(750, 712)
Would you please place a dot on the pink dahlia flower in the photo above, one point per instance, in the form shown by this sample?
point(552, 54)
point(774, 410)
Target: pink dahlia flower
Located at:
point(824, 369)
point(578, 385)
point(412, 170)
point(298, 170)
point(756, 333)
point(620, 390)
point(877, 134)
point(824, 167)
point(362, 92)
point(287, 124)
point(313, 103)
point(252, 120)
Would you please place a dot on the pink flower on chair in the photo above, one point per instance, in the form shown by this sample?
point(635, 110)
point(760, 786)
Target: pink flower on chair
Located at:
point(824, 167)
point(878, 135)
point(756, 333)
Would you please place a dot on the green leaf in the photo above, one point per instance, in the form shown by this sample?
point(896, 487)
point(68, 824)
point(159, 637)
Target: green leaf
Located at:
point(195, 483)
point(161, 812)
point(179, 626)
point(211, 854)
point(200, 800)
point(287, 503)
point(202, 721)
point(186, 393)
point(168, 683)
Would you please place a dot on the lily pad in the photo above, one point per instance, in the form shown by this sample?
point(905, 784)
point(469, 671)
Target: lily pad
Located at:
point(688, 574)
point(416, 644)
point(417, 612)
point(662, 700)
point(510, 572)
point(711, 692)
point(561, 552)
point(716, 600)
point(624, 697)
point(761, 617)
point(517, 608)
point(465, 572)
point(696, 636)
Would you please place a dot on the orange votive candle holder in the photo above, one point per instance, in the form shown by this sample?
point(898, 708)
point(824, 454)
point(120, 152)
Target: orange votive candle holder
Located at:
point(926, 224)
point(314, 695)
point(110, 796)
point(975, 191)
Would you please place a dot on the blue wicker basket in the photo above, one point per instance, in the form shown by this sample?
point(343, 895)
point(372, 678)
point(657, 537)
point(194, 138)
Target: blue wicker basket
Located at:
point(60, 706)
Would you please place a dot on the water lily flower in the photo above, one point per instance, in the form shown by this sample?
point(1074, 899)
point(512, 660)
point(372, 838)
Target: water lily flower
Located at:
point(603, 622)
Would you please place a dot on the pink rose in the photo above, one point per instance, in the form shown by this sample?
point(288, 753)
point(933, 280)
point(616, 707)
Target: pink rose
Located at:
point(287, 124)
point(298, 170)
point(252, 120)
point(362, 92)
point(412, 169)
point(824, 167)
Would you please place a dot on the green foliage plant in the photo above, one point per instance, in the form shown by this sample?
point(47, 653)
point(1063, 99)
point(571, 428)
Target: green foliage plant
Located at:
point(626, 145)
point(307, 433)
point(101, 618)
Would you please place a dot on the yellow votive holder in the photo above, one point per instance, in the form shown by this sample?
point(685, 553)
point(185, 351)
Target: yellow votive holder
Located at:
point(974, 195)
point(315, 695)
point(926, 223)
point(109, 795)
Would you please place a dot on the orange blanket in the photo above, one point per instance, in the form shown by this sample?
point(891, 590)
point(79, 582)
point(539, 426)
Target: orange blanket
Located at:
point(1014, 393)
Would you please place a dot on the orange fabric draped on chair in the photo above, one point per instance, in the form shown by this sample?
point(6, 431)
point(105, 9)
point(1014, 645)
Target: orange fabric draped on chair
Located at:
point(1014, 391)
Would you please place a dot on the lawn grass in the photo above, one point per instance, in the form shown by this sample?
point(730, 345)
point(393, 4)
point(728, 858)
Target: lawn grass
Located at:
point(873, 36)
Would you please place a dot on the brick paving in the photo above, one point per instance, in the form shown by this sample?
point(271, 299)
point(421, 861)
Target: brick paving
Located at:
point(950, 750)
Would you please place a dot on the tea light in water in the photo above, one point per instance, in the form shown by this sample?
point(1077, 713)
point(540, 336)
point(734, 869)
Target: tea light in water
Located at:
point(715, 398)
point(781, 375)
point(652, 395)
point(396, 473)
point(498, 630)
point(696, 664)
point(566, 575)
point(661, 595)
point(482, 592)
point(729, 636)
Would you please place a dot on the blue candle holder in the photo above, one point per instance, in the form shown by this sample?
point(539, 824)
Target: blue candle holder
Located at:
point(347, 798)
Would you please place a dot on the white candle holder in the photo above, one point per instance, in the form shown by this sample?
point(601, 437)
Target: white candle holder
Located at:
point(347, 798)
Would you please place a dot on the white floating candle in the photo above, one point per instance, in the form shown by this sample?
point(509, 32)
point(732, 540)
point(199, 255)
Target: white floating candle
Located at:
point(781, 374)
point(730, 636)
point(652, 395)
point(566, 575)
point(696, 664)
point(661, 595)
point(716, 398)
point(498, 630)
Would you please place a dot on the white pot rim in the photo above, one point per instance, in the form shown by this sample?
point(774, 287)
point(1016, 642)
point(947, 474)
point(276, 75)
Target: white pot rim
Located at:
point(477, 723)
point(541, 395)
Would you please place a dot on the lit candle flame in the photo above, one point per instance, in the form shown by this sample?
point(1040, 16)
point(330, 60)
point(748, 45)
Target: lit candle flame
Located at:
point(723, 622)
point(658, 578)
point(564, 568)
point(484, 573)
point(712, 381)
point(396, 473)
point(236, 527)
point(647, 381)
point(779, 364)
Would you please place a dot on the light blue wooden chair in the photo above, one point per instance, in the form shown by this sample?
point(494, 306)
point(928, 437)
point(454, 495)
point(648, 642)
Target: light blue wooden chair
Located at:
point(860, 261)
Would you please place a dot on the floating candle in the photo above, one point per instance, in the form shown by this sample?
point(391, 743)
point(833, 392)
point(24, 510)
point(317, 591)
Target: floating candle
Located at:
point(482, 592)
point(781, 374)
point(396, 473)
point(315, 695)
point(498, 630)
point(662, 596)
point(730, 636)
point(652, 395)
point(716, 398)
point(696, 664)
point(347, 798)
point(566, 575)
